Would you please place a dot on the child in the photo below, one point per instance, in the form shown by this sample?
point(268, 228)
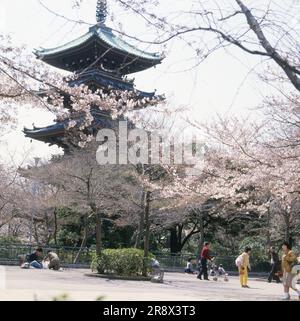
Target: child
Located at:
point(214, 271)
point(189, 267)
point(242, 262)
point(222, 272)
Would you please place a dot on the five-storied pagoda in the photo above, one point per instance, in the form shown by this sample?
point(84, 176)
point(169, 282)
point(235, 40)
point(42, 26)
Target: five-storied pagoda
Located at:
point(100, 60)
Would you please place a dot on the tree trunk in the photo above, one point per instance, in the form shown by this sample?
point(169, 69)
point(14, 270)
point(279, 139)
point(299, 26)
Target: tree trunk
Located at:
point(147, 231)
point(141, 225)
point(55, 226)
point(84, 240)
point(287, 234)
point(98, 233)
point(201, 228)
point(36, 234)
point(175, 240)
point(139, 234)
point(268, 228)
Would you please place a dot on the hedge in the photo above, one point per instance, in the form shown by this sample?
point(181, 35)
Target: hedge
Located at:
point(124, 262)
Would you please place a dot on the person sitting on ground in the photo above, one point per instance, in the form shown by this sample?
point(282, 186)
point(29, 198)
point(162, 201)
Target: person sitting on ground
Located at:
point(221, 270)
point(54, 263)
point(35, 259)
point(189, 267)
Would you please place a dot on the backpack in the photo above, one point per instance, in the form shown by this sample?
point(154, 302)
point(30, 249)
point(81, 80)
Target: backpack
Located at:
point(239, 261)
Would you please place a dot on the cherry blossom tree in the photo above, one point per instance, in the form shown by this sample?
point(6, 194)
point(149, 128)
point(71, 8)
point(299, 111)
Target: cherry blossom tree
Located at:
point(9, 200)
point(96, 191)
point(255, 28)
point(259, 161)
point(25, 80)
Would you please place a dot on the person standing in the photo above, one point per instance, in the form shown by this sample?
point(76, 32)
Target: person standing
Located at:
point(204, 257)
point(288, 259)
point(275, 266)
point(243, 264)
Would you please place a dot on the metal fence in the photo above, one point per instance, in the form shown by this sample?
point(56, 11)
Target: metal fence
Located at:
point(177, 262)
point(172, 261)
point(67, 255)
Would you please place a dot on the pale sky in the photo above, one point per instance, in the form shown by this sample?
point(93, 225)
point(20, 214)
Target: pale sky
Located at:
point(221, 84)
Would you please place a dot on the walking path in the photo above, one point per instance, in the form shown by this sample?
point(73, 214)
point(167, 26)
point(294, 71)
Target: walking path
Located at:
point(44, 285)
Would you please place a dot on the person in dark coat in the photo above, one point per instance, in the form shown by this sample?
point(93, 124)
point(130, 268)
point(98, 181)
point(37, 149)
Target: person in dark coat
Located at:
point(35, 259)
point(275, 265)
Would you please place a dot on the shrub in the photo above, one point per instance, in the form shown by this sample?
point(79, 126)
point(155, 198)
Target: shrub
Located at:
point(259, 257)
point(125, 262)
point(9, 240)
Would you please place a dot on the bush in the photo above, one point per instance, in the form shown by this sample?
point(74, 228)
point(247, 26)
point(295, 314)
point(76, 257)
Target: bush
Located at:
point(9, 240)
point(259, 258)
point(124, 262)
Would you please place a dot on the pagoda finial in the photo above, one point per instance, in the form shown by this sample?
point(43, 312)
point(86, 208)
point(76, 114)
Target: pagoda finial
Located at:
point(101, 11)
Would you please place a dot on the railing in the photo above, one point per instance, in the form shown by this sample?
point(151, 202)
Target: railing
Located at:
point(67, 255)
point(177, 262)
point(172, 261)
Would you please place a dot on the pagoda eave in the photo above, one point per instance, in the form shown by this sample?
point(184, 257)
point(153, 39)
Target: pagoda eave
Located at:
point(55, 134)
point(51, 134)
point(99, 47)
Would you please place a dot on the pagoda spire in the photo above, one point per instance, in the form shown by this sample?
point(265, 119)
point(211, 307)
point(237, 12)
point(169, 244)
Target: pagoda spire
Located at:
point(101, 11)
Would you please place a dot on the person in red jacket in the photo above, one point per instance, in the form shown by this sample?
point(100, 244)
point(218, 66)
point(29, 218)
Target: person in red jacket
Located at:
point(204, 257)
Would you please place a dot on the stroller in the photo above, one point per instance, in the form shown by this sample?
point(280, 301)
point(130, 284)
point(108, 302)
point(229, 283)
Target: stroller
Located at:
point(216, 272)
point(157, 274)
point(296, 279)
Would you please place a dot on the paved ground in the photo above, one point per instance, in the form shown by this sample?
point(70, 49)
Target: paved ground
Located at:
point(44, 285)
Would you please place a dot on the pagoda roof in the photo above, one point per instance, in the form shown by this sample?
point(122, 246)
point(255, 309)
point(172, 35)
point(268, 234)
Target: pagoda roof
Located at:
point(107, 46)
point(108, 81)
point(52, 135)
point(55, 134)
